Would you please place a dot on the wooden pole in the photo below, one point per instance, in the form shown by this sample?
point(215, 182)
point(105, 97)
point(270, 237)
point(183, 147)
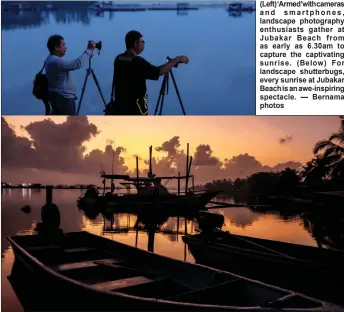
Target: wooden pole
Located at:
point(137, 170)
point(49, 194)
point(178, 183)
point(150, 161)
point(186, 169)
point(189, 169)
point(188, 173)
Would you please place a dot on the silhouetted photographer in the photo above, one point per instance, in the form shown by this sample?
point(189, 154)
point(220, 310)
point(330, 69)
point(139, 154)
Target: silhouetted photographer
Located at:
point(129, 92)
point(62, 91)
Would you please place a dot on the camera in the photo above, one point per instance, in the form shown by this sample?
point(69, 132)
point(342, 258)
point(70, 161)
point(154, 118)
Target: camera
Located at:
point(99, 45)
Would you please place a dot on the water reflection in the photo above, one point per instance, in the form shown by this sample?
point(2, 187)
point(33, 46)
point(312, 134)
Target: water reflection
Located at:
point(39, 15)
point(23, 20)
point(159, 233)
point(14, 19)
point(233, 76)
point(327, 230)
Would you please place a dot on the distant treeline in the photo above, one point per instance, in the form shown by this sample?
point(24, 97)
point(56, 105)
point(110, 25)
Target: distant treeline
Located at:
point(325, 172)
point(285, 183)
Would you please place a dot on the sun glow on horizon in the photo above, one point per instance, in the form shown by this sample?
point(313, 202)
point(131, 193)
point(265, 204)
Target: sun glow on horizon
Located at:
point(228, 136)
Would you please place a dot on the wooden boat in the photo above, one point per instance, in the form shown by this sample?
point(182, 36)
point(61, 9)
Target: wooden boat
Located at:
point(140, 203)
point(287, 265)
point(95, 273)
point(150, 193)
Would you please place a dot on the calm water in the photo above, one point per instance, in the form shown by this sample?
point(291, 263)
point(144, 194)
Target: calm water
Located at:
point(237, 220)
point(219, 80)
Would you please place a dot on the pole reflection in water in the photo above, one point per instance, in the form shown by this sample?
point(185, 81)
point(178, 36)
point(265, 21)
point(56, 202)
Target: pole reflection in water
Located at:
point(147, 223)
point(163, 236)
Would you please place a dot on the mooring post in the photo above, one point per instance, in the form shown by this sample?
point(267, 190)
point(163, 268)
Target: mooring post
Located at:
point(177, 227)
point(50, 213)
point(49, 194)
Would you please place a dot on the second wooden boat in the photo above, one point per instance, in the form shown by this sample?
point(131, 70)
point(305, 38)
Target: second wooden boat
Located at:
point(280, 263)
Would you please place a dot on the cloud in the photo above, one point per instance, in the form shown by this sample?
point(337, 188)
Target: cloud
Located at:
point(240, 217)
point(105, 160)
point(289, 164)
point(16, 151)
point(172, 163)
point(244, 165)
point(58, 147)
point(285, 139)
point(203, 156)
point(58, 151)
point(171, 147)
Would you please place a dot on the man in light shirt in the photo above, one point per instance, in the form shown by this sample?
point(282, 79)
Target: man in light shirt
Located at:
point(62, 92)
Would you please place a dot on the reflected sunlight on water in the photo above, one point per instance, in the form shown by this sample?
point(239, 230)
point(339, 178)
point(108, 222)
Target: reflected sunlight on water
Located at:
point(167, 239)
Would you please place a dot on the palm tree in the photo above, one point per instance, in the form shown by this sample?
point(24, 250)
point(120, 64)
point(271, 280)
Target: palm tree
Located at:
point(332, 150)
point(316, 170)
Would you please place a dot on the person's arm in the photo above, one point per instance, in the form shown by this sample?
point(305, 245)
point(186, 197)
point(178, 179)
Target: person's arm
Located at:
point(77, 63)
point(154, 72)
point(166, 68)
point(146, 69)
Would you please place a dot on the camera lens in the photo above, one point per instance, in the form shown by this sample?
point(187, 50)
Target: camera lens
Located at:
point(99, 45)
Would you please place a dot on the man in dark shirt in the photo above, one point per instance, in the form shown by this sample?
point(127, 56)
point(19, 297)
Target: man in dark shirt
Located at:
point(130, 74)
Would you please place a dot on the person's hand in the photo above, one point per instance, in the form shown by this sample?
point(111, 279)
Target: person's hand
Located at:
point(91, 45)
point(183, 59)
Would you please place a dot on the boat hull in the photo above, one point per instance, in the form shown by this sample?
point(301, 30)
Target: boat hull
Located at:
point(66, 292)
point(140, 204)
point(296, 274)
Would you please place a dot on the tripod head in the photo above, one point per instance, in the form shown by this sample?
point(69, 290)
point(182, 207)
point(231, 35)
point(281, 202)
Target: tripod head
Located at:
point(170, 59)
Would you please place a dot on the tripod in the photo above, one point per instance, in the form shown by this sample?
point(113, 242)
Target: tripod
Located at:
point(89, 71)
point(164, 85)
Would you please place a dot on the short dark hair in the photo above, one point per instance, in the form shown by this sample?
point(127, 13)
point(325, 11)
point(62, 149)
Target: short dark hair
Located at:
point(54, 41)
point(131, 38)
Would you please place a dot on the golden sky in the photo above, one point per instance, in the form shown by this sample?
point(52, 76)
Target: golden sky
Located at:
point(228, 136)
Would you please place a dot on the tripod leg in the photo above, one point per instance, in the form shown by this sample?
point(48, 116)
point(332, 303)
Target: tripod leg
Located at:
point(83, 91)
point(162, 104)
point(162, 92)
point(163, 95)
point(157, 104)
point(98, 86)
point(177, 91)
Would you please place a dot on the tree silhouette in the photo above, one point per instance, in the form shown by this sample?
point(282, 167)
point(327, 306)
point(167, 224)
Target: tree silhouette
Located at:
point(331, 154)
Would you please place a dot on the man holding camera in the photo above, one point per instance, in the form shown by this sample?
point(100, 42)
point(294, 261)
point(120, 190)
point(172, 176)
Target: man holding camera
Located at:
point(62, 92)
point(130, 74)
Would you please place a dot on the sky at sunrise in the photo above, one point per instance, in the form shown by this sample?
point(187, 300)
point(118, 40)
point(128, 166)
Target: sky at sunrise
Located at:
point(72, 150)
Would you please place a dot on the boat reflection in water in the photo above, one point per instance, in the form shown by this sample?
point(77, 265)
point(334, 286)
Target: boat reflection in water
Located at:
point(83, 271)
point(150, 223)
